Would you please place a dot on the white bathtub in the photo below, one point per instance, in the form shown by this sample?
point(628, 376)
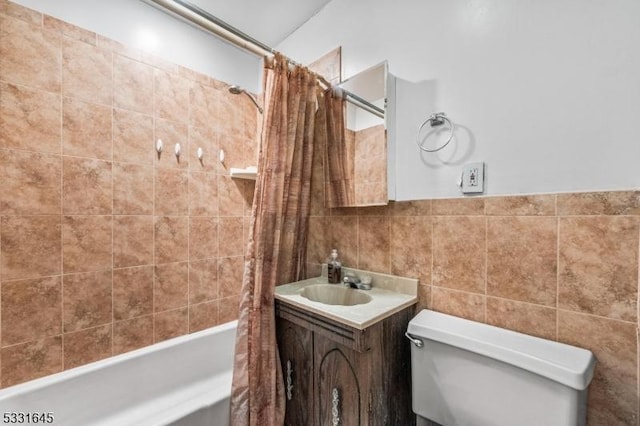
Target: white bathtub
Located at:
point(184, 381)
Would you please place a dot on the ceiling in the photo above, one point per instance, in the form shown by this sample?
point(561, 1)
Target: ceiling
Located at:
point(268, 21)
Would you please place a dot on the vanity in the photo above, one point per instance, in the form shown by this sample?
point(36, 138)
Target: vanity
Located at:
point(344, 356)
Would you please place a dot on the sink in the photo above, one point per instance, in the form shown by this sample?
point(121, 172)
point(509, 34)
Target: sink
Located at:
point(335, 294)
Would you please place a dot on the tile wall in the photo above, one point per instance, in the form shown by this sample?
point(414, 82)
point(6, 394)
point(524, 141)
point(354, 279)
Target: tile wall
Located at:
point(563, 267)
point(105, 246)
point(370, 174)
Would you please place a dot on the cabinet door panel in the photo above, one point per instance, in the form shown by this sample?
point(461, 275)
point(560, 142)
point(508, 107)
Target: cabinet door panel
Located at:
point(338, 389)
point(296, 357)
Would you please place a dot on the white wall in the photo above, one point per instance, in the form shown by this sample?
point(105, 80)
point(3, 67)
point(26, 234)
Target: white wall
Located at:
point(546, 92)
point(137, 24)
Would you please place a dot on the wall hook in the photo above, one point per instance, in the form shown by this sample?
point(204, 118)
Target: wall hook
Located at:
point(221, 156)
point(177, 150)
point(199, 153)
point(159, 146)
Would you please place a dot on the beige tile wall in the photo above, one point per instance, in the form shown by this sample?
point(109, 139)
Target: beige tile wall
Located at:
point(105, 246)
point(371, 166)
point(563, 267)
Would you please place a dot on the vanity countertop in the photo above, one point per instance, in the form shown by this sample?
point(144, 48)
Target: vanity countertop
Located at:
point(389, 294)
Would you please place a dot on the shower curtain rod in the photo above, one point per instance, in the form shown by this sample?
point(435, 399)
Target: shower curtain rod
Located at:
point(211, 23)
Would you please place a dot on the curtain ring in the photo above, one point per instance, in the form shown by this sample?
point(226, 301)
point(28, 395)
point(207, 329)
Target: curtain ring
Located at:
point(337, 92)
point(437, 119)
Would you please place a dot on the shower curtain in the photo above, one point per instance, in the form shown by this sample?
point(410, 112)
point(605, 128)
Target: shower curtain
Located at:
point(340, 153)
point(276, 251)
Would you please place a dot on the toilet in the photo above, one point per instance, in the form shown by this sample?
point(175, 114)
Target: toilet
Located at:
point(472, 374)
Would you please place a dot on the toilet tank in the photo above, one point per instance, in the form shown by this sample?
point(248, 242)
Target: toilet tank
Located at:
point(468, 373)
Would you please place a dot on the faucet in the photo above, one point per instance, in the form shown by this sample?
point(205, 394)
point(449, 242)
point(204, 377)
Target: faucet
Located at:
point(355, 282)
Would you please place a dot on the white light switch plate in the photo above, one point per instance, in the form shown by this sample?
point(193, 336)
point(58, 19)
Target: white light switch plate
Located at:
point(473, 178)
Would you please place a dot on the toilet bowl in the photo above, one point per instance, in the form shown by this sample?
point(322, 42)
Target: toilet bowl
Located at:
point(467, 373)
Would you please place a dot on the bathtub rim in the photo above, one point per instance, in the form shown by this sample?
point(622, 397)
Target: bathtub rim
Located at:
point(42, 382)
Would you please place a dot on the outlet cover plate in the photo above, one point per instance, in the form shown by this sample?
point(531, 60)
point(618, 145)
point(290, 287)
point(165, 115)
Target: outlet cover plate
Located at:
point(473, 178)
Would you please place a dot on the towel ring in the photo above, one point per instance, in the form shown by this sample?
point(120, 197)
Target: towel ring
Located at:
point(435, 120)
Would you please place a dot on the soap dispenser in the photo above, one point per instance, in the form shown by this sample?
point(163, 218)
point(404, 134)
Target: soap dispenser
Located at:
point(334, 268)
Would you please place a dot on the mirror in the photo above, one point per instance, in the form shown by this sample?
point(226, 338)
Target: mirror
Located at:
point(365, 138)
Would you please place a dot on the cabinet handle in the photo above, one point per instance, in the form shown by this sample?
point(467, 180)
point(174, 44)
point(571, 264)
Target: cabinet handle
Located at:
point(335, 407)
point(289, 381)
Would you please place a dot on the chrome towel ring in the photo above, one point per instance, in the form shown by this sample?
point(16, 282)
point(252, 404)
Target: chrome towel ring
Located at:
point(435, 120)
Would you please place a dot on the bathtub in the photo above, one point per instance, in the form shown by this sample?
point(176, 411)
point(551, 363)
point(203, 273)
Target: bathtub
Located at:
point(184, 381)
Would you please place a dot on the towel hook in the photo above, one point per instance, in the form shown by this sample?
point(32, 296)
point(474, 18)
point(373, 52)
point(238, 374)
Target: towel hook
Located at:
point(435, 120)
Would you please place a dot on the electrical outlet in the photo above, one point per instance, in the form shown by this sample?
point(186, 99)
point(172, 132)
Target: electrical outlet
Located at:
point(473, 178)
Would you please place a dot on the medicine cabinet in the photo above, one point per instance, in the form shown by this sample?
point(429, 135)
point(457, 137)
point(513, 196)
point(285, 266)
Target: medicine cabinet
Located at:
point(368, 138)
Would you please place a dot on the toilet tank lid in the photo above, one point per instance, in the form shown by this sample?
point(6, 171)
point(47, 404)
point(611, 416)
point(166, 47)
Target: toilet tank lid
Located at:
point(565, 364)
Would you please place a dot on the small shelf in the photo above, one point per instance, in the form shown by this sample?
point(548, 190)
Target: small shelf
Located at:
point(248, 173)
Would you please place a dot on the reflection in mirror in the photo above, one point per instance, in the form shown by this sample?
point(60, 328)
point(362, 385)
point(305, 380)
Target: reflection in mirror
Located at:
point(364, 154)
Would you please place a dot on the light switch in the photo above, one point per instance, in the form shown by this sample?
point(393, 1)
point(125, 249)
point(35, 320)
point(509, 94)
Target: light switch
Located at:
point(473, 178)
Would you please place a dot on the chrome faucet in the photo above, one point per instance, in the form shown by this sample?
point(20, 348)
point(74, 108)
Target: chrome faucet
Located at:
point(355, 282)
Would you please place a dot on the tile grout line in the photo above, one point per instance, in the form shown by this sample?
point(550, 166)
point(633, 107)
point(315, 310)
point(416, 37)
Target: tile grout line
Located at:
point(189, 215)
point(387, 219)
point(587, 314)
point(486, 259)
point(557, 269)
point(454, 290)
point(189, 177)
point(358, 222)
point(61, 151)
point(113, 320)
point(155, 221)
point(433, 256)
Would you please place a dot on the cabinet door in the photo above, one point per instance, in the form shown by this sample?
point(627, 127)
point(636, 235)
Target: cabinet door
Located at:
point(339, 396)
point(295, 344)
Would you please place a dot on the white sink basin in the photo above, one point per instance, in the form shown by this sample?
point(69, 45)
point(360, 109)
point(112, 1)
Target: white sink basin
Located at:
point(355, 308)
point(335, 294)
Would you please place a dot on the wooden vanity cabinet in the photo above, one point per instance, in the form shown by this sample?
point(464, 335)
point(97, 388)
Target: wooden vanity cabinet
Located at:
point(360, 377)
point(296, 358)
